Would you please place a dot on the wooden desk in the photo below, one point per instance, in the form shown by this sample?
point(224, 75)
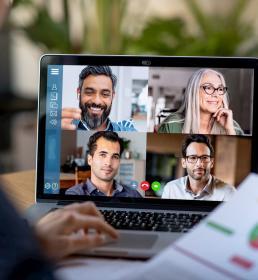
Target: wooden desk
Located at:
point(20, 188)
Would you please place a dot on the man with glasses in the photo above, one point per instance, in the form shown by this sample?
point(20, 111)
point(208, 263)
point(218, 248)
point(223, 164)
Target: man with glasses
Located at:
point(198, 160)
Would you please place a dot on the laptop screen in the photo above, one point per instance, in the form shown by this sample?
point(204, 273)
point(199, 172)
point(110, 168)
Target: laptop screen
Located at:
point(117, 127)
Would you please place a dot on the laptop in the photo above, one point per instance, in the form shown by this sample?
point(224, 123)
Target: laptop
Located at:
point(155, 204)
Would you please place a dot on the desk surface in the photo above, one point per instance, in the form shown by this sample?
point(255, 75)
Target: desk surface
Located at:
point(20, 188)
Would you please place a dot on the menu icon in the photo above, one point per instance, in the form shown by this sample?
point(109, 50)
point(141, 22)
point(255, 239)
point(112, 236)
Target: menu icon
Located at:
point(54, 71)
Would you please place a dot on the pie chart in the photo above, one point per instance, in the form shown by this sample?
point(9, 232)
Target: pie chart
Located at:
point(254, 237)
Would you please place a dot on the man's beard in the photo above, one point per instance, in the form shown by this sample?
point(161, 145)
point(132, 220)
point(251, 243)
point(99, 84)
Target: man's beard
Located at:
point(205, 176)
point(93, 121)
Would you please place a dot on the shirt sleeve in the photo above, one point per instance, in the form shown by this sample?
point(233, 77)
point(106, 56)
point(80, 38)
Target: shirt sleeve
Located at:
point(165, 193)
point(229, 194)
point(75, 190)
point(131, 127)
point(128, 192)
point(238, 129)
point(127, 125)
point(163, 128)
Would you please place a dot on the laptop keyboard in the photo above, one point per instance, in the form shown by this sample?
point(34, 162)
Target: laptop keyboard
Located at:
point(152, 221)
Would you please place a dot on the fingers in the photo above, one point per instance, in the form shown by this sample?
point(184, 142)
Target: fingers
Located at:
point(68, 115)
point(225, 118)
point(222, 112)
point(67, 124)
point(73, 221)
point(101, 227)
point(58, 216)
point(79, 242)
point(64, 245)
point(73, 228)
point(71, 113)
point(63, 217)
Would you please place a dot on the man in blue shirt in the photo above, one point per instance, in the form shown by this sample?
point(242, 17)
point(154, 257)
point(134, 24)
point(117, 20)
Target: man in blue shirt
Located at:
point(96, 91)
point(105, 149)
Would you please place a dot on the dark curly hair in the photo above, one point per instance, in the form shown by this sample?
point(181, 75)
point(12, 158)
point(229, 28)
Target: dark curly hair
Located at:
point(95, 71)
point(108, 135)
point(198, 138)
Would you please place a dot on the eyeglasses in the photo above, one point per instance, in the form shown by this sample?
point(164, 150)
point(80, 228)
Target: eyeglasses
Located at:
point(194, 158)
point(210, 89)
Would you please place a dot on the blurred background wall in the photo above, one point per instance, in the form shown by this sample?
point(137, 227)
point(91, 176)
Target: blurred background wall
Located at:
point(164, 27)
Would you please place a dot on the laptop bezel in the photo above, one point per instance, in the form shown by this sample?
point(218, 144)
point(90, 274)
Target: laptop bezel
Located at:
point(150, 61)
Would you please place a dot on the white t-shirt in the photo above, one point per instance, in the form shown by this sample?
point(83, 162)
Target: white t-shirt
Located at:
point(215, 190)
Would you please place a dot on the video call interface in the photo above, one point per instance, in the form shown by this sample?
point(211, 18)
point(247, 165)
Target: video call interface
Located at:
point(185, 132)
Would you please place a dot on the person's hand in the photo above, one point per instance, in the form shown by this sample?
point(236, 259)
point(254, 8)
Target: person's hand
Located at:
point(76, 227)
point(68, 115)
point(225, 118)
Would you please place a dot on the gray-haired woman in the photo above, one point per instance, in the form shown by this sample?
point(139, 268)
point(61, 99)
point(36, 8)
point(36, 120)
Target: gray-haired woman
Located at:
point(205, 108)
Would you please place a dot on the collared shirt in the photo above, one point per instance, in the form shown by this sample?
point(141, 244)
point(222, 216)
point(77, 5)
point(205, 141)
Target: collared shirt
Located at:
point(88, 188)
point(125, 125)
point(215, 190)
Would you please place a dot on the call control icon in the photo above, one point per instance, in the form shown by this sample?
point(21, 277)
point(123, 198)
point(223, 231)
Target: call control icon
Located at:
point(155, 186)
point(134, 184)
point(145, 185)
point(47, 186)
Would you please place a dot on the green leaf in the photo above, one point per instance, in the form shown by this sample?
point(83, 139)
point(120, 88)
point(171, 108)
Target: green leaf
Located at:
point(217, 34)
point(21, 2)
point(52, 35)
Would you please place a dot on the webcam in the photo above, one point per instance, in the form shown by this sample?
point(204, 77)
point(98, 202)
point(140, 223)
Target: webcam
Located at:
point(146, 62)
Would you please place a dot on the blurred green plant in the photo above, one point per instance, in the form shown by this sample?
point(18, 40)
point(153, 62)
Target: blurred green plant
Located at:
point(102, 35)
point(217, 34)
point(225, 34)
point(126, 143)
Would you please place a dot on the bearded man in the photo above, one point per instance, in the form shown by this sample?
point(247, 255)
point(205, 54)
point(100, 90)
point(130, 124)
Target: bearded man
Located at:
point(96, 92)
